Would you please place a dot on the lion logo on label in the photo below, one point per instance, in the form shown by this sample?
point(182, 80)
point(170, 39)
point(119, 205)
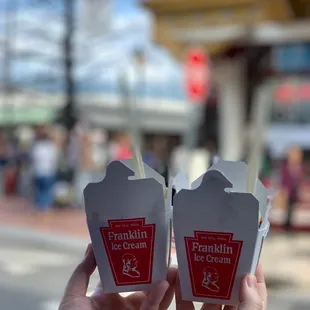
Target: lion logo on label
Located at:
point(130, 266)
point(210, 279)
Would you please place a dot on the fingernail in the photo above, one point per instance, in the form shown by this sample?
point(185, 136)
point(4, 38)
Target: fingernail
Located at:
point(251, 281)
point(87, 250)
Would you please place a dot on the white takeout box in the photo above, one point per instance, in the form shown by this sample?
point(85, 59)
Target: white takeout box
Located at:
point(217, 233)
point(129, 224)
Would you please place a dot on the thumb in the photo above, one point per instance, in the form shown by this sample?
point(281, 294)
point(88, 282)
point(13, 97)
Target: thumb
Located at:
point(249, 297)
point(78, 283)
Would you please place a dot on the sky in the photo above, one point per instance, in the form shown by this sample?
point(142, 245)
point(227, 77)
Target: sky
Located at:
point(127, 7)
point(100, 58)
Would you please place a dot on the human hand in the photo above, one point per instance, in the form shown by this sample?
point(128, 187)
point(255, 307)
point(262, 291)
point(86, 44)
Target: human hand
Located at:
point(253, 295)
point(159, 298)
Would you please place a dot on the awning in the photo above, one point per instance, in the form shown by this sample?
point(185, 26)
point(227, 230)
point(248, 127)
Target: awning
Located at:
point(263, 34)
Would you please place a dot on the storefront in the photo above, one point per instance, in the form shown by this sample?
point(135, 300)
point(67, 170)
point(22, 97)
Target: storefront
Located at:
point(240, 36)
point(226, 30)
point(289, 127)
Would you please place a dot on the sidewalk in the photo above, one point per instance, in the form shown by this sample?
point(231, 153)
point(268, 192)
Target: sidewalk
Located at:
point(18, 212)
point(285, 259)
point(68, 222)
point(286, 262)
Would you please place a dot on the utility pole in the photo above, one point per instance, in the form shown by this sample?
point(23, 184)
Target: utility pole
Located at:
point(69, 112)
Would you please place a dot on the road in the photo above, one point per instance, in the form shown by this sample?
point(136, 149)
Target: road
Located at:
point(33, 273)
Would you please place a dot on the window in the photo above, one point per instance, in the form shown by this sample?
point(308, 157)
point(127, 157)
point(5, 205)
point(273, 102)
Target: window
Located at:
point(291, 102)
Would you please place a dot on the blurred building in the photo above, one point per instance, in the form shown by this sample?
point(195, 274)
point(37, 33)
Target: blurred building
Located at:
point(28, 107)
point(33, 82)
point(256, 47)
point(247, 41)
point(158, 115)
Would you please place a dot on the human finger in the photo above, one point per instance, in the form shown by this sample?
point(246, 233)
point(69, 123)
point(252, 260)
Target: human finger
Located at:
point(108, 300)
point(261, 288)
point(249, 296)
point(171, 278)
point(138, 298)
point(156, 295)
point(79, 280)
point(261, 284)
point(180, 303)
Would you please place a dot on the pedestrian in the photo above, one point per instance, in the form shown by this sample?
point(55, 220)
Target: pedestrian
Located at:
point(157, 156)
point(292, 173)
point(86, 167)
point(123, 150)
point(65, 167)
point(8, 167)
point(44, 162)
point(25, 138)
point(253, 293)
point(99, 153)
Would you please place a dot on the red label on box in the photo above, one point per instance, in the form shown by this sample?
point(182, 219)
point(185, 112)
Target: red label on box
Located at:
point(212, 261)
point(130, 249)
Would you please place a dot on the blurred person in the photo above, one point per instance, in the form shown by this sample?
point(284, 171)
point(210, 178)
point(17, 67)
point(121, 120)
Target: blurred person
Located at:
point(86, 166)
point(3, 149)
point(178, 157)
point(65, 167)
point(112, 147)
point(122, 148)
point(198, 163)
point(195, 161)
point(266, 165)
point(118, 147)
point(99, 150)
point(44, 161)
point(292, 175)
point(98, 154)
point(156, 156)
point(148, 155)
point(253, 293)
point(4, 157)
point(10, 165)
point(73, 147)
point(25, 137)
point(11, 177)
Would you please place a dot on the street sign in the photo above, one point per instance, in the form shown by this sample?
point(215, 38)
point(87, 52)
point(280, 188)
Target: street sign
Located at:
point(197, 75)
